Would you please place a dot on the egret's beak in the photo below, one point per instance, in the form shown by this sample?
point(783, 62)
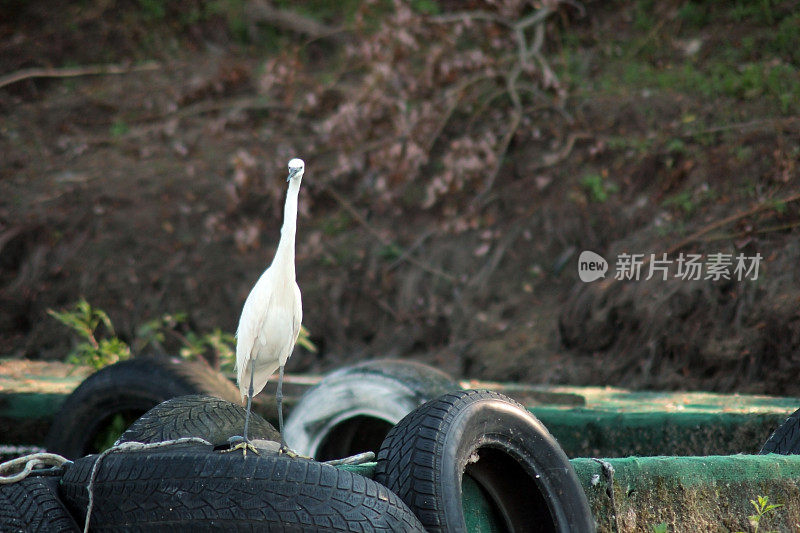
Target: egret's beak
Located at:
point(292, 172)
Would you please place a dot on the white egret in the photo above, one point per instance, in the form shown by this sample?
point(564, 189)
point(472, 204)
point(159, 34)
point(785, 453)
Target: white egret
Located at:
point(271, 317)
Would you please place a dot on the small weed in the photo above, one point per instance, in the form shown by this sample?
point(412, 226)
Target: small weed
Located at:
point(119, 128)
point(85, 321)
point(597, 187)
point(98, 350)
point(743, 153)
point(109, 434)
point(763, 508)
point(779, 207)
point(660, 528)
point(688, 201)
point(676, 146)
point(694, 14)
point(426, 7)
point(390, 252)
point(153, 9)
point(682, 200)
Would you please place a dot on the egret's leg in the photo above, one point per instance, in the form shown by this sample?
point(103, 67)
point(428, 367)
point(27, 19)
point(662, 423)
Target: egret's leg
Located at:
point(279, 400)
point(244, 445)
point(279, 403)
point(249, 404)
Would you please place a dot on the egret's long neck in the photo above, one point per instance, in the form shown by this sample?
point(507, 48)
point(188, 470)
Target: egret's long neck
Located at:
point(285, 253)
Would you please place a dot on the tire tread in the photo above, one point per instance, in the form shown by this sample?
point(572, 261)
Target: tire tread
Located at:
point(786, 439)
point(32, 505)
point(170, 488)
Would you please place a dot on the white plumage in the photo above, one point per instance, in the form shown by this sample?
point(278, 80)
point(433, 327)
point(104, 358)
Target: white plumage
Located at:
point(272, 313)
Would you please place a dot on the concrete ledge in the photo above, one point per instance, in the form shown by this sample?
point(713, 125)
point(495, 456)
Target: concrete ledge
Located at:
point(621, 423)
point(710, 493)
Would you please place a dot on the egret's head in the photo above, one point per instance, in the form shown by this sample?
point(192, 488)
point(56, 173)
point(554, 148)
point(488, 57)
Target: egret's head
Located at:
point(296, 168)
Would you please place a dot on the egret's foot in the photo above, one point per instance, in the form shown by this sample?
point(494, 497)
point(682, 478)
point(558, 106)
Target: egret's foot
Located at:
point(240, 443)
point(288, 452)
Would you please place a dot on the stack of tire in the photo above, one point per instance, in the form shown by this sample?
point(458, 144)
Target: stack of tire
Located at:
point(447, 460)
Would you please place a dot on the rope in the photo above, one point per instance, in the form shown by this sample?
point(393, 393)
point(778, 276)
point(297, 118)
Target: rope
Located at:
point(18, 451)
point(358, 459)
point(128, 446)
point(37, 460)
point(34, 460)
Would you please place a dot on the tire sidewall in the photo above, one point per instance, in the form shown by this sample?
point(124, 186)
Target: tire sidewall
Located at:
point(135, 385)
point(384, 389)
point(379, 397)
point(487, 424)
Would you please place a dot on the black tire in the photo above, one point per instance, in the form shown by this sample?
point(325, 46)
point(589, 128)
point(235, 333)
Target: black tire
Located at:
point(121, 393)
point(522, 471)
point(32, 505)
point(786, 439)
point(352, 409)
point(190, 488)
point(197, 415)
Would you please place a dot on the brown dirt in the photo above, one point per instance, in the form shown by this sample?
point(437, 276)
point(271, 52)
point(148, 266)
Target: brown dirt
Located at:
point(145, 193)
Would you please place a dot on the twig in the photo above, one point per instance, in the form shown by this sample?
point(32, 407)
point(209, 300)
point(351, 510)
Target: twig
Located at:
point(456, 99)
point(462, 16)
point(482, 278)
point(741, 234)
point(555, 158)
point(259, 11)
point(247, 102)
point(733, 218)
point(372, 231)
point(72, 72)
point(516, 119)
point(420, 240)
point(742, 126)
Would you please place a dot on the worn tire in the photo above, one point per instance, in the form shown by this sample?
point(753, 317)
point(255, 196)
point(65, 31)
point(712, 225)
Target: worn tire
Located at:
point(351, 410)
point(32, 505)
point(128, 389)
point(190, 488)
point(197, 415)
point(521, 469)
point(786, 439)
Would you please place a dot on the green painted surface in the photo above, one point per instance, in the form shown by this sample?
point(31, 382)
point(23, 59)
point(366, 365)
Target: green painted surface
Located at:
point(711, 493)
point(619, 423)
point(479, 513)
point(30, 405)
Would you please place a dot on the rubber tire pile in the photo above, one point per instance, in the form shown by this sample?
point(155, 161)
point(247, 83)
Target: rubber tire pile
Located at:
point(475, 435)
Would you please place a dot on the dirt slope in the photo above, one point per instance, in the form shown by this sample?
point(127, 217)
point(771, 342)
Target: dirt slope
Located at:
point(454, 175)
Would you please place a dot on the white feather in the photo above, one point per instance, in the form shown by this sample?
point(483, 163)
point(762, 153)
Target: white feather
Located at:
point(272, 314)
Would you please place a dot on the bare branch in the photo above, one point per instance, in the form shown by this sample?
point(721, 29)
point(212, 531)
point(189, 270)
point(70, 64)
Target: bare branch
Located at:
point(72, 72)
point(463, 16)
point(383, 240)
point(259, 11)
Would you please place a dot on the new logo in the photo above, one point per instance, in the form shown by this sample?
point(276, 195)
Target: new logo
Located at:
point(591, 266)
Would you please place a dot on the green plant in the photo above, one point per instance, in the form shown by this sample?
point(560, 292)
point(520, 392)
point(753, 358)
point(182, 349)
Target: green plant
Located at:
point(660, 528)
point(85, 320)
point(763, 508)
point(101, 350)
point(153, 9)
point(597, 187)
point(119, 128)
point(683, 200)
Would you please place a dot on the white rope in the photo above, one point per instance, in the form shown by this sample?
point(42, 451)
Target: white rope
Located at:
point(18, 451)
point(37, 460)
point(357, 459)
point(128, 446)
point(34, 460)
